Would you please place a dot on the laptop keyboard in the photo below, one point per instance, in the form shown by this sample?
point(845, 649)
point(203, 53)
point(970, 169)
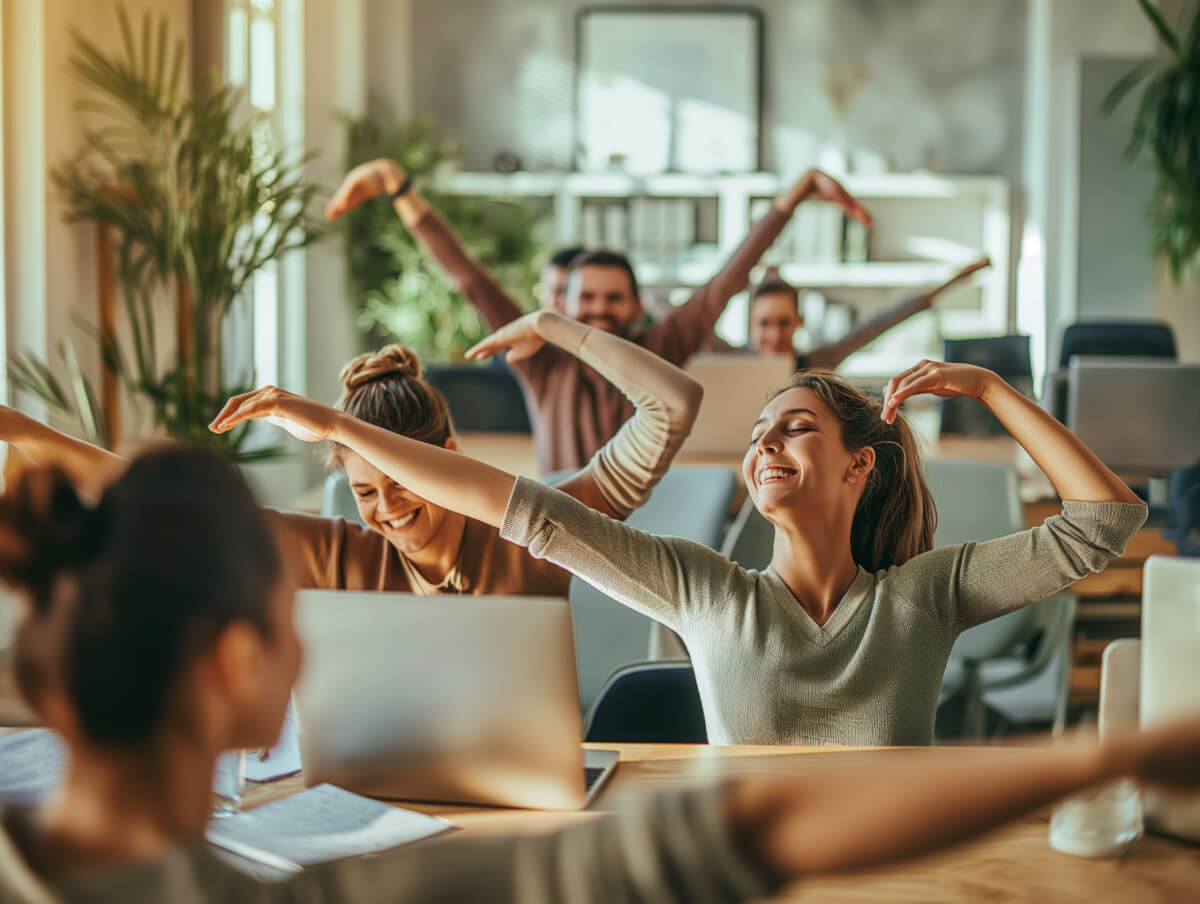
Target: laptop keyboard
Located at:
point(591, 775)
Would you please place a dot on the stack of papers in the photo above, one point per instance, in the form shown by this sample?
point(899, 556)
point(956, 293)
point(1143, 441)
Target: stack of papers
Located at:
point(322, 823)
point(31, 766)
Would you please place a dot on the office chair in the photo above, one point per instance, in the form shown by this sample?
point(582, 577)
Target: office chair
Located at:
point(1016, 666)
point(1108, 338)
point(482, 398)
point(648, 703)
point(750, 540)
point(1009, 357)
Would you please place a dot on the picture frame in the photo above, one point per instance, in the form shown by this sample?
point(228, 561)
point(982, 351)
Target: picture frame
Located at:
point(668, 89)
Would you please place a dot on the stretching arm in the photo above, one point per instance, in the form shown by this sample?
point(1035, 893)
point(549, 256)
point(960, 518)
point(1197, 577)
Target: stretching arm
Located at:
point(619, 477)
point(89, 467)
point(830, 356)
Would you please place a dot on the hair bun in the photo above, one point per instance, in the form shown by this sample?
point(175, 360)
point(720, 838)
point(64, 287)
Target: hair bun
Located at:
point(391, 360)
point(45, 529)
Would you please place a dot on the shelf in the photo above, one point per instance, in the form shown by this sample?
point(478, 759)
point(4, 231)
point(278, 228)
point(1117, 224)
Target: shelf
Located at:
point(872, 274)
point(682, 185)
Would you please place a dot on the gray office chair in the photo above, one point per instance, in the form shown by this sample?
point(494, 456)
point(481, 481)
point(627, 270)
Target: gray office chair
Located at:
point(337, 499)
point(648, 703)
point(750, 540)
point(1017, 665)
point(691, 503)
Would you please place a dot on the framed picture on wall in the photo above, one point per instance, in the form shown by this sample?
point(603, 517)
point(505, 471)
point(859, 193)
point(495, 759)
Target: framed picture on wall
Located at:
point(668, 89)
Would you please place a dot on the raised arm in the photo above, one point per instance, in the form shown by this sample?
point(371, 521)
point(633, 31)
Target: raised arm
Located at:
point(1073, 469)
point(432, 232)
point(830, 356)
point(90, 468)
point(665, 578)
point(687, 329)
point(619, 477)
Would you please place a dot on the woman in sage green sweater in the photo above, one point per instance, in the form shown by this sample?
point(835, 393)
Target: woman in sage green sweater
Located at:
point(844, 638)
point(159, 632)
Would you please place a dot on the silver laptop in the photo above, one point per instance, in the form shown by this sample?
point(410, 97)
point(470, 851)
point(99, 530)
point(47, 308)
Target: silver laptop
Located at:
point(735, 389)
point(1140, 415)
point(464, 699)
point(1170, 667)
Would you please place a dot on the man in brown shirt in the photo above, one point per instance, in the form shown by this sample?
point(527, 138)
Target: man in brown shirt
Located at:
point(574, 410)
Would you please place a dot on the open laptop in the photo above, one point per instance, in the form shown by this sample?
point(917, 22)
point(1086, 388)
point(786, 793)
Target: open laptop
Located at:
point(736, 387)
point(1139, 415)
point(464, 699)
point(1170, 671)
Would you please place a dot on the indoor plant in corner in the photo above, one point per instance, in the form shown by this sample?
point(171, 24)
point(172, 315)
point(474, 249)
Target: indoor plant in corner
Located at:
point(195, 202)
point(1167, 131)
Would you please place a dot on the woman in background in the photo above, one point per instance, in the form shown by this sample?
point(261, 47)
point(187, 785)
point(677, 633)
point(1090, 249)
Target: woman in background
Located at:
point(160, 632)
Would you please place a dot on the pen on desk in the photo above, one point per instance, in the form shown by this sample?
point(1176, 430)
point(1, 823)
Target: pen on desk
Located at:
point(262, 753)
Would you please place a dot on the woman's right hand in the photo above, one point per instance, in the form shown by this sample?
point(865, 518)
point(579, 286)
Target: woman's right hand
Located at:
point(364, 182)
point(303, 418)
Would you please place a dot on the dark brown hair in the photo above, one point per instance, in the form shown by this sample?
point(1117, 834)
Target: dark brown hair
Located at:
point(774, 284)
point(896, 516)
point(607, 259)
point(124, 594)
point(385, 388)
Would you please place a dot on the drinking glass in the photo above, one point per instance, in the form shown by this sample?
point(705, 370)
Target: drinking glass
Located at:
point(1101, 823)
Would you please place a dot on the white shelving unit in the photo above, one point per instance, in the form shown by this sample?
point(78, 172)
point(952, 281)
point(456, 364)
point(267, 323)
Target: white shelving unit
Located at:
point(925, 226)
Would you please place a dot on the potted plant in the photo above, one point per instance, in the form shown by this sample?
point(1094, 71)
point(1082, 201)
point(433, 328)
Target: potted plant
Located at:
point(194, 202)
point(1167, 131)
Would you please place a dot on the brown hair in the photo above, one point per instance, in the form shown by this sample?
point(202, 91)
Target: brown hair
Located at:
point(896, 516)
point(385, 388)
point(774, 284)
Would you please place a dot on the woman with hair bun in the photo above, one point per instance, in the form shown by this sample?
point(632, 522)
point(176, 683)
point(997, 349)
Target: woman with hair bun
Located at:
point(160, 626)
point(410, 544)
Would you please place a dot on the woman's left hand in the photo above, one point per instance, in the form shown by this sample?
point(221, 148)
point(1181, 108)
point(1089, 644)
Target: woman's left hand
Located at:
point(303, 418)
point(520, 339)
point(936, 378)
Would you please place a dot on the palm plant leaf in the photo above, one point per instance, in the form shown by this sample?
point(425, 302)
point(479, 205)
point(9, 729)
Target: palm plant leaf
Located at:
point(1165, 32)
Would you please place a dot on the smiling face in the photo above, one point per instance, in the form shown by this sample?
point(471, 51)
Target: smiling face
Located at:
point(602, 296)
point(404, 519)
point(774, 320)
point(797, 459)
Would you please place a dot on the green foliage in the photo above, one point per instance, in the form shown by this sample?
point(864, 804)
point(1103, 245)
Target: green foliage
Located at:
point(1167, 132)
point(398, 292)
point(195, 197)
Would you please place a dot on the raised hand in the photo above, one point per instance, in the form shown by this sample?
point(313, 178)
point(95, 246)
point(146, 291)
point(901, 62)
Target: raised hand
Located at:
point(816, 185)
point(364, 182)
point(303, 418)
point(936, 378)
point(520, 338)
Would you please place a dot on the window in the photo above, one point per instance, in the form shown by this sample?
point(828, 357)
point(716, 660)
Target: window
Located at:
point(252, 61)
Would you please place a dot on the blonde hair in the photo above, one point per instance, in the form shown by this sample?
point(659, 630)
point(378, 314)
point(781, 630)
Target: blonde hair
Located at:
point(896, 515)
point(385, 388)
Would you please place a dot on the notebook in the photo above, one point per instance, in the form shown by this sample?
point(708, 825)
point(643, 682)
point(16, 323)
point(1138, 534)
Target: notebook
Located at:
point(320, 824)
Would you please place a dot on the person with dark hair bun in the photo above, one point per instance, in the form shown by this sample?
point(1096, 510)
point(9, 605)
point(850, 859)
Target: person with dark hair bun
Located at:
point(162, 625)
point(845, 637)
point(409, 544)
point(775, 316)
point(574, 414)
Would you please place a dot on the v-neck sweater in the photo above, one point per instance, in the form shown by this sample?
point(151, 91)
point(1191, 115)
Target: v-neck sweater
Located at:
point(767, 672)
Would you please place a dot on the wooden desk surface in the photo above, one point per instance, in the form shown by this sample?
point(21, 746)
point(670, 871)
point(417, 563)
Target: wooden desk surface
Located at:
point(1013, 864)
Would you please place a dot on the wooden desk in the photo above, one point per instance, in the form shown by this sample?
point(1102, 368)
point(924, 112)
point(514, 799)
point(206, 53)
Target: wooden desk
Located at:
point(1013, 864)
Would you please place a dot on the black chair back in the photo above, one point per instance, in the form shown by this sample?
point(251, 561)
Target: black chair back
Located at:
point(482, 398)
point(1009, 357)
point(649, 703)
point(1131, 338)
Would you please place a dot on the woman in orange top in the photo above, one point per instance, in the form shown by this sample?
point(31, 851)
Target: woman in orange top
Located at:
point(409, 544)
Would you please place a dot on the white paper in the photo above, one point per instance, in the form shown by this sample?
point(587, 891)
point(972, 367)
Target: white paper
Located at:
point(282, 759)
point(322, 823)
point(31, 765)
